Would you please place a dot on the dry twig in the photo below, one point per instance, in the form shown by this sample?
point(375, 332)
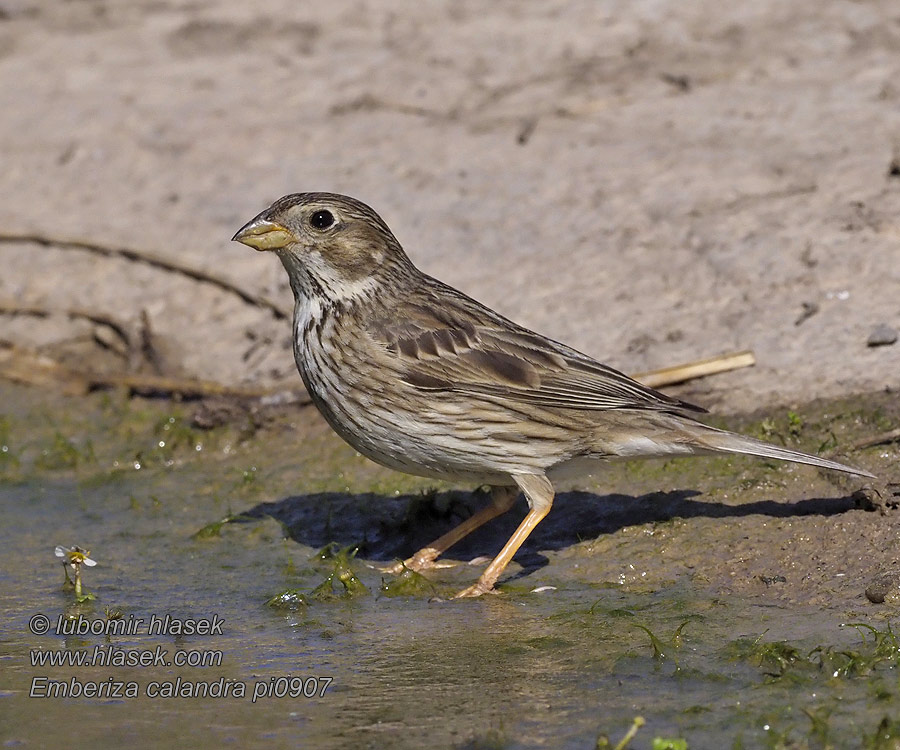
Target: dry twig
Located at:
point(885, 437)
point(151, 259)
point(698, 369)
point(12, 308)
point(23, 366)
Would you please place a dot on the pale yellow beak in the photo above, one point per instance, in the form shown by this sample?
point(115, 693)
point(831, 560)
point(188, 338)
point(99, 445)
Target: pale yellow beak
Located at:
point(263, 234)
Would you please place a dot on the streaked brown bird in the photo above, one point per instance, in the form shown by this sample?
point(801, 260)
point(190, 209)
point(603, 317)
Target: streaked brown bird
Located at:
point(423, 379)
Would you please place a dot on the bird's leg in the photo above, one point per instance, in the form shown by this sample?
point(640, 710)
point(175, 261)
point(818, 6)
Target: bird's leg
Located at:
point(502, 499)
point(539, 493)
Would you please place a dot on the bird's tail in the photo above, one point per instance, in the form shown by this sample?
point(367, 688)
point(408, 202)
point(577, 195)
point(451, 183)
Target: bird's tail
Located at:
point(730, 442)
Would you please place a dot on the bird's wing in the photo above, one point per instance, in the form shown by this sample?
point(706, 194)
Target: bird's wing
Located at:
point(440, 351)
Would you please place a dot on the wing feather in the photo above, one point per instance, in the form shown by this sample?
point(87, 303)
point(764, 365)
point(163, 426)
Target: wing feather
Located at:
point(497, 358)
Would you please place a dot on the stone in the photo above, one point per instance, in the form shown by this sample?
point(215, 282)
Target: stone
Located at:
point(882, 335)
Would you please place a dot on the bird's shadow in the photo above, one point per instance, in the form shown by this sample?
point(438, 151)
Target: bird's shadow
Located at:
point(390, 528)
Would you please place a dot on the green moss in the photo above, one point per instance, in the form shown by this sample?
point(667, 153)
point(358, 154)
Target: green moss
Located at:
point(780, 659)
point(664, 650)
point(214, 529)
point(885, 737)
point(407, 583)
point(62, 453)
point(341, 582)
point(774, 658)
point(290, 600)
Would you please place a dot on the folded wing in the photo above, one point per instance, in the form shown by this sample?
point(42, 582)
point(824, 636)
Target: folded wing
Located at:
point(505, 361)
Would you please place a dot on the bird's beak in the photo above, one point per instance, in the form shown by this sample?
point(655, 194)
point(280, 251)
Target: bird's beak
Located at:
point(264, 234)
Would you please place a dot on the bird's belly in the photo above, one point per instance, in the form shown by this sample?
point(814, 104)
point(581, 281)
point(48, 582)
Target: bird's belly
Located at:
point(415, 444)
point(439, 441)
point(392, 433)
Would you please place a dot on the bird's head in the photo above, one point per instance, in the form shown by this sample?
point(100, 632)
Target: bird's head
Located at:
point(329, 244)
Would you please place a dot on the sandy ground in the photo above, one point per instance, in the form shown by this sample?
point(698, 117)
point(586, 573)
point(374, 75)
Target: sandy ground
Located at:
point(651, 182)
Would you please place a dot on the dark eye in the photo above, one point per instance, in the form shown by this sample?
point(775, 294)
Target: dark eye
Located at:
point(321, 219)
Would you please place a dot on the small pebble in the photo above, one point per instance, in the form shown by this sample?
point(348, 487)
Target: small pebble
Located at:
point(883, 336)
point(885, 588)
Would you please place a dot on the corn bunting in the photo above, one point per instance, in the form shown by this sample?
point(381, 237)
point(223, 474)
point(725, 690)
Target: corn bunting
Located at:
point(421, 378)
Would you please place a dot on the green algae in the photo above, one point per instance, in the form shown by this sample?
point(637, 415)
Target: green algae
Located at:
point(407, 583)
point(290, 599)
point(342, 580)
point(214, 529)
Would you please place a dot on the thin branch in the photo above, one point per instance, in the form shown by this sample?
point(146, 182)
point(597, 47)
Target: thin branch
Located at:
point(698, 369)
point(24, 366)
point(188, 387)
point(882, 439)
point(34, 311)
point(151, 259)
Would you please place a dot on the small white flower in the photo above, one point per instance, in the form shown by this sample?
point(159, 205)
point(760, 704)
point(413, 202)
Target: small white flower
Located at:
point(75, 556)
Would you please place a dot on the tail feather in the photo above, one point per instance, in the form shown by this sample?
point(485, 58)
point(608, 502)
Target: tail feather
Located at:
point(729, 442)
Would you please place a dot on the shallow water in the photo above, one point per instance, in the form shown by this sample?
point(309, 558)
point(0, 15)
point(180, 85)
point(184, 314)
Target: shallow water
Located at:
point(556, 668)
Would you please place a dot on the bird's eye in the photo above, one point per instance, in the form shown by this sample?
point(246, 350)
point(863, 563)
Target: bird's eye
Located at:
point(321, 219)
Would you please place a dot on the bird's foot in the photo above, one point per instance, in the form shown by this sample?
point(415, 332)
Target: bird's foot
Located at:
point(476, 589)
point(424, 559)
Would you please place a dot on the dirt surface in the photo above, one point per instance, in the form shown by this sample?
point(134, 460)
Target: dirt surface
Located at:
point(650, 182)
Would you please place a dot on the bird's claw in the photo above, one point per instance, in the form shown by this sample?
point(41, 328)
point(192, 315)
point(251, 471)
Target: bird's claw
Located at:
point(418, 563)
point(476, 589)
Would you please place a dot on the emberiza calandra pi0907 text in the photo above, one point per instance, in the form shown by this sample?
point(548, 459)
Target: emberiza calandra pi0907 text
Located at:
point(421, 378)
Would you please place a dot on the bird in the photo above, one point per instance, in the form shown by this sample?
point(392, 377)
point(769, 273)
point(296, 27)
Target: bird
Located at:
point(421, 378)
